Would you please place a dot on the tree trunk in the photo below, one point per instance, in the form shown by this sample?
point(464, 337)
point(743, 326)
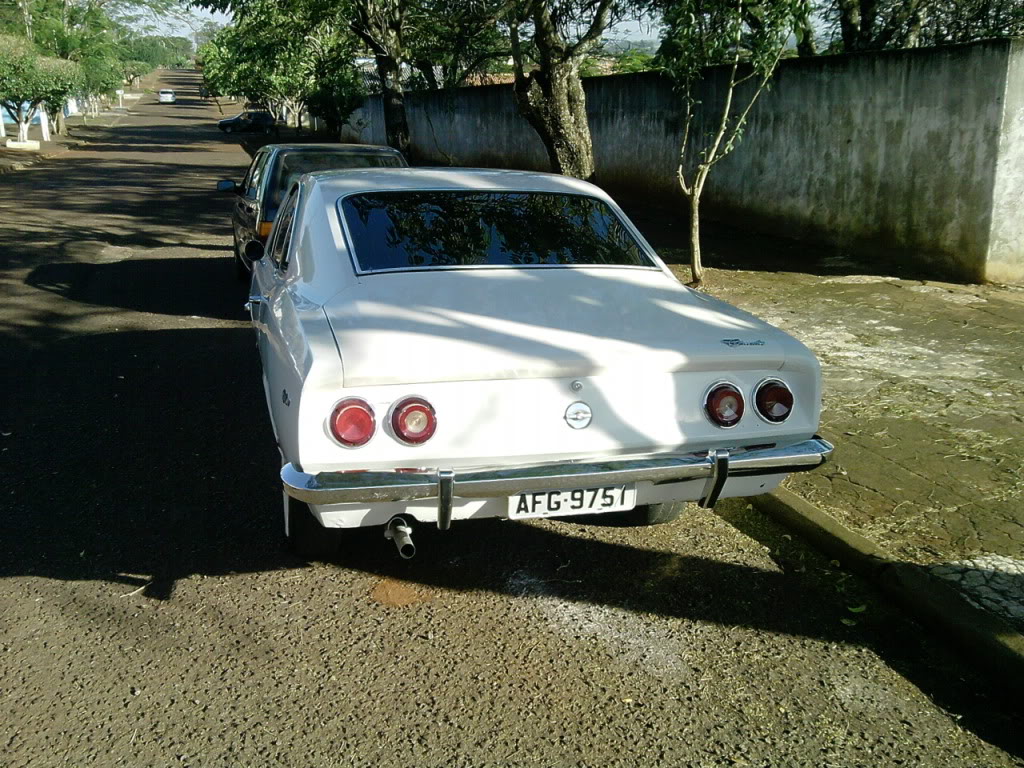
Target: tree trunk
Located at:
point(849, 24)
point(805, 42)
point(556, 106)
point(696, 268)
point(395, 124)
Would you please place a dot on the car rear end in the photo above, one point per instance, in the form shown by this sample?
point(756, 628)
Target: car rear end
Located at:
point(574, 376)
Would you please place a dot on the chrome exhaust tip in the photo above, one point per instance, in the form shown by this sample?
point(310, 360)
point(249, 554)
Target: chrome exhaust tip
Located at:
point(399, 531)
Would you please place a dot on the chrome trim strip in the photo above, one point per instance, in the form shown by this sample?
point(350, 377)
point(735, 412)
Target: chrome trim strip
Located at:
point(371, 486)
point(445, 488)
point(716, 481)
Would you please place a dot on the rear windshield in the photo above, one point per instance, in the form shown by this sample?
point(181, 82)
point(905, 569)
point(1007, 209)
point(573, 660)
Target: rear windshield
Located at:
point(291, 166)
point(418, 230)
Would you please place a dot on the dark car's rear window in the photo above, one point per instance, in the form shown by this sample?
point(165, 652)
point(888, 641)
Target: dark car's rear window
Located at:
point(403, 230)
point(294, 164)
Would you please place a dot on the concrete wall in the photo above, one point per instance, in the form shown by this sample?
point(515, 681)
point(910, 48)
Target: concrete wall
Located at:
point(1006, 247)
point(914, 155)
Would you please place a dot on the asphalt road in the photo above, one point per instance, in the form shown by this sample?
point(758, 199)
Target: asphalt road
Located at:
point(149, 615)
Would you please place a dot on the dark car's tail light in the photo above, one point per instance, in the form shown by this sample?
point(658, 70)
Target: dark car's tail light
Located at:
point(724, 405)
point(352, 422)
point(413, 420)
point(774, 401)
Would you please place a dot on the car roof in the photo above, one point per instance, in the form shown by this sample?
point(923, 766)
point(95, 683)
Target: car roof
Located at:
point(354, 149)
point(166, 90)
point(335, 183)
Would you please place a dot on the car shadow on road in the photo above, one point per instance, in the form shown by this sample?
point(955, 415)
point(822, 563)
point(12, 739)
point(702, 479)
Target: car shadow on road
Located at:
point(194, 287)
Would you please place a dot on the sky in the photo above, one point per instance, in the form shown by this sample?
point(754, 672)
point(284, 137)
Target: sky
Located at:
point(626, 30)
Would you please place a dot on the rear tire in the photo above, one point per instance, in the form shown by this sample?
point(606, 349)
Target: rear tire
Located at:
point(656, 514)
point(228, 129)
point(306, 537)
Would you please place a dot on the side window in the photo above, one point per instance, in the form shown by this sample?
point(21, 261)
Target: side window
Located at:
point(249, 173)
point(252, 184)
point(283, 230)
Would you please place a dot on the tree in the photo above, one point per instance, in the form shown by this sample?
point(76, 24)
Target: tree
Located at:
point(866, 25)
point(28, 81)
point(550, 40)
point(749, 39)
point(381, 25)
point(453, 40)
point(963, 21)
point(288, 57)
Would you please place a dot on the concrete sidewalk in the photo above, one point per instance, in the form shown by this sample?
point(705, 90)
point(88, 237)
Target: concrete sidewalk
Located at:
point(924, 400)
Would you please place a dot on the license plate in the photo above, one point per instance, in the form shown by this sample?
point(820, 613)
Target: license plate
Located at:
point(585, 501)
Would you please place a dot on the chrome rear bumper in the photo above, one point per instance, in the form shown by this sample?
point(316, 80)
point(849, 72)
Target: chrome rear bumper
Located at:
point(716, 467)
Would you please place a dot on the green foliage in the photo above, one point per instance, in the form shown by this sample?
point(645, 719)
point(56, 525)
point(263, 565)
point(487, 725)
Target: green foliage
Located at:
point(591, 67)
point(17, 70)
point(58, 80)
point(289, 55)
point(89, 34)
point(453, 40)
point(337, 93)
point(28, 80)
point(634, 61)
point(703, 33)
point(156, 50)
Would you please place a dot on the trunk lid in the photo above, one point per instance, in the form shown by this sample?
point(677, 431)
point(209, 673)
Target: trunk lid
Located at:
point(447, 325)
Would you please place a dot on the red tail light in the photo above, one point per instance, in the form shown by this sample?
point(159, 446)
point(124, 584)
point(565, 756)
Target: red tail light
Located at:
point(724, 405)
point(352, 422)
point(413, 420)
point(774, 401)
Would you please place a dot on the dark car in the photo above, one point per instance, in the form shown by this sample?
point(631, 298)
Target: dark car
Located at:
point(248, 121)
point(271, 173)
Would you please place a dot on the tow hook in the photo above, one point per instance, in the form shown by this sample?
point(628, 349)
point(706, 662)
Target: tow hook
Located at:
point(399, 531)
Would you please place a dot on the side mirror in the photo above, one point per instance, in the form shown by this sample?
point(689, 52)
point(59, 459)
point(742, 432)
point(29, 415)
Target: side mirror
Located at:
point(227, 186)
point(254, 251)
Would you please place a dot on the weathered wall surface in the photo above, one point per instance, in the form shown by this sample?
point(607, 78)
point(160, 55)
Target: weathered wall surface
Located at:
point(917, 155)
point(1006, 248)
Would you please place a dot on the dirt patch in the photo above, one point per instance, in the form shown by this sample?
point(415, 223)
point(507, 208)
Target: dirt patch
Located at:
point(397, 593)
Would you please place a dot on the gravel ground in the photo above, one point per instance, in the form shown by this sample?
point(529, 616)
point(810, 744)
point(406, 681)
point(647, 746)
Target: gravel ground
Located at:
point(150, 617)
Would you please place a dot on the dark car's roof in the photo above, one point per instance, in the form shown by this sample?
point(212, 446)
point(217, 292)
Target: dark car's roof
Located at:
point(356, 149)
point(248, 112)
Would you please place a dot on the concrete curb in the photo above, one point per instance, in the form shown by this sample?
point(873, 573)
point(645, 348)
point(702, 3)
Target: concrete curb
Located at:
point(987, 639)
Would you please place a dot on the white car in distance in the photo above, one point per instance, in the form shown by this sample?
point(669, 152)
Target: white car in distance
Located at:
point(166, 96)
point(443, 345)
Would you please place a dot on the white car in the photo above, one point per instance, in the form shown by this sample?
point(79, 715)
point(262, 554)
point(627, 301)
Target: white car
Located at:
point(441, 345)
point(166, 96)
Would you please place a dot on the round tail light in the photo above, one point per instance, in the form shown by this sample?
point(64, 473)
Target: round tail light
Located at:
point(774, 401)
point(724, 405)
point(352, 422)
point(413, 420)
